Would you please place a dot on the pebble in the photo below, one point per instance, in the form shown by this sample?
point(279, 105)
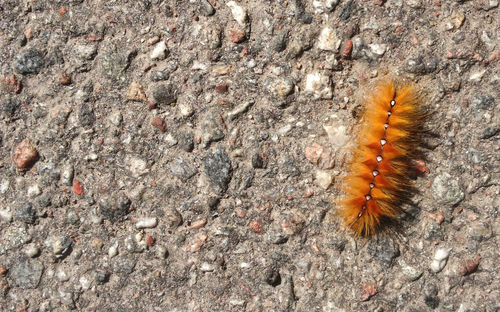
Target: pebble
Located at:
point(207, 267)
point(480, 231)
point(25, 155)
point(285, 129)
point(161, 252)
point(25, 213)
point(62, 276)
point(146, 223)
point(32, 250)
point(378, 49)
point(113, 250)
point(411, 273)
point(58, 245)
point(26, 273)
point(323, 179)
point(328, 40)
point(5, 215)
point(136, 93)
point(4, 186)
point(337, 135)
point(14, 238)
point(419, 65)
point(34, 190)
point(384, 250)
point(239, 109)
point(123, 264)
point(218, 169)
point(210, 131)
point(137, 166)
point(172, 217)
point(207, 8)
point(481, 102)
point(185, 109)
point(101, 277)
point(239, 13)
point(159, 124)
point(320, 156)
point(182, 169)
point(439, 260)
point(319, 85)
point(446, 189)
point(282, 87)
point(67, 174)
point(29, 61)
point(160, 51)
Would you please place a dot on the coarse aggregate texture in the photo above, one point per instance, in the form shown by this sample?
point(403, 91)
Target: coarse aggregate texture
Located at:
point(162, 155)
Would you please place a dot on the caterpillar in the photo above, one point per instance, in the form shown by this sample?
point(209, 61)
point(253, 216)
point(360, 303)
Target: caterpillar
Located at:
point(379, 182)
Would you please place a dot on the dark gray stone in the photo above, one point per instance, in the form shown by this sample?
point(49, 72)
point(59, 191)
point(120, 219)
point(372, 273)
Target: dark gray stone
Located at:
point(123, 265)
point(281, 41)
point(165, 94)
point(218, 169)
point(489, 132)
point(86, 115)
point(385, 250)
point(272, 277)
point(482, 102)
point(26, 273)
point(29, 61)
point(186, 141)
point(114, 208)
point(25, 213)
point(211, 131)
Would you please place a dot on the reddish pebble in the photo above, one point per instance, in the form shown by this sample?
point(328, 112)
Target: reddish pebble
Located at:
point(221, 88)
point(62, 11)
point(24, 155)
point(368, 291)
point(347, 49)
point(469, 266)
point(236, 36)
point(308, 194)
point(2, 270)
point(256, 226)
point(12, 84)
point(198, 224)
point(150, 240)
point(77, 187)
point(420, 166)
point(63, 79)
point(159, 123)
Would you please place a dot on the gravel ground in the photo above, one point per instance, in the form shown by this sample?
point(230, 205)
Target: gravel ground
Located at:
point(188, 155)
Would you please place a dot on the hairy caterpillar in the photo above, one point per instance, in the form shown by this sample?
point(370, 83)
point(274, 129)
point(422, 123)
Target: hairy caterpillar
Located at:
point(379, 182)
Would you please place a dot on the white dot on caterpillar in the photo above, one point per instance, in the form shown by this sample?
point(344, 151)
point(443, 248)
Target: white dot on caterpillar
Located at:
point(360, 214)
point(382, 142)
point(389, 113)
point(372, 185)
point(379, 158)
point(393, 103)
point(364, 207)
point(386, 125)
point(368, 197)
point(375, 173)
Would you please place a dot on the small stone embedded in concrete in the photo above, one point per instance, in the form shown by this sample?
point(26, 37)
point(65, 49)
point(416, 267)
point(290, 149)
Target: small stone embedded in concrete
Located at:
point(136, 93)
point(323, 179)
point(58, 245)
point(26, 213)
point(239, 12)
point(159, 124)
point(182, 169)
point(26, 273)
point(25, 155)
point(146, 223)
point(136, 165)
point(446, 189)
point(29, 61)
point(282, 87)
point(160, 51)
point(328, 40)
point(218, 169)
point(440, 259)
point(207, 8)
point(238, 110)
point(410, 272)
point(211, 131)
point(319, 85)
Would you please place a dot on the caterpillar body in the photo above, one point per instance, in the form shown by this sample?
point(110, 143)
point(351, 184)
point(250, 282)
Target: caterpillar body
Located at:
point(379, 180)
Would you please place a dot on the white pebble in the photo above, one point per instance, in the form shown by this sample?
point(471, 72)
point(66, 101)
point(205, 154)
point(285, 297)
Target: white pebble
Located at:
point(319, 85)
point(113, 250)
point(4, 186)
point(34, 191)
point(5, 215)
point(440, 259)
point(323, 179)
point(160, 51)
point(85, 282)
point(207, 267)
point(239, 13)
point(145, 223)
point(328, 40)
point(378, 49)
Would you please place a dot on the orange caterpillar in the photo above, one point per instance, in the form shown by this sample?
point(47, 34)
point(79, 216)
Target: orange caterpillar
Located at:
point(379, 181)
